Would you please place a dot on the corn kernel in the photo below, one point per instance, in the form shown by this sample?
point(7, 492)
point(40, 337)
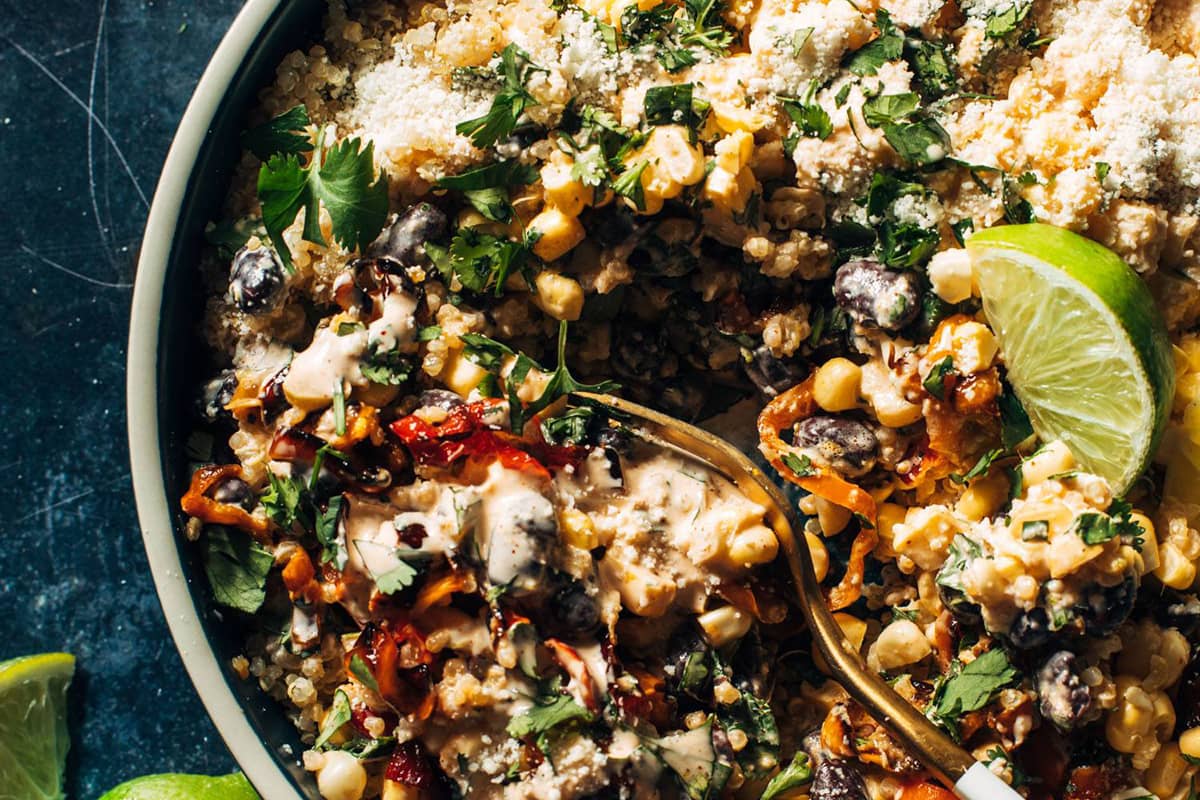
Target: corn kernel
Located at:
point(558, 233)
point(734, 151)
point(983, 497)
point(1165, 771)
point(1052, 459)
point(836, 385)
point(1174, 568)
point(558, 295)
point(561, 190)
point(755, 545)
point(729, 191)
point(724, 625)
point(820, 555)
point(1189, 743)
point(578, 530)
point(461, 375)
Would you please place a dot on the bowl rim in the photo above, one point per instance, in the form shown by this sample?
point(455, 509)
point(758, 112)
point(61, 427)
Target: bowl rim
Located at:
point(142, 395)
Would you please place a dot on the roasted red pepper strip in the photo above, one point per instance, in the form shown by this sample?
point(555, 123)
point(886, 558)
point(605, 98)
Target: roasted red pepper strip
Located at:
point(783, 412)
point(465, 435)
point(198, 504)
point(409, 690)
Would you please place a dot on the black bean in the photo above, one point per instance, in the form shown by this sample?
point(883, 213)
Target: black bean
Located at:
point(256, 280)
point(963, 609)
point(575, 610)
point(217, 394)
point(611, 225)
point(1064, 699)
point(405, 240)
point(874, 295)
point(1030, 629)
point(1187, 702)
point(439, 398)
point(846, 444)
point(1104, 608)
point(682, 398)
point(837, 780)
point(641, 356)
point(236, 492)
point(771, 374)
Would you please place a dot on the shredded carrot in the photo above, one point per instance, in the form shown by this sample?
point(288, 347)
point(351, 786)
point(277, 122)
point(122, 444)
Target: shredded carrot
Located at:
point(783, 412)
point(198, 504)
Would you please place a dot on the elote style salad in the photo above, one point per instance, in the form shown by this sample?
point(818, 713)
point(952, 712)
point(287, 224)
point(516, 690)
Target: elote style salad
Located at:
point(945, 254)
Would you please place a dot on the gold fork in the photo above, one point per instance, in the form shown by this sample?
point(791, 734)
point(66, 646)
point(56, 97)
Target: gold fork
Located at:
point(950, 763)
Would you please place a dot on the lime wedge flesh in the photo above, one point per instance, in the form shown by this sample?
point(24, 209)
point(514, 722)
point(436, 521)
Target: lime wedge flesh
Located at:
point(184, 787)
point(1084, 345)
point(33, 725)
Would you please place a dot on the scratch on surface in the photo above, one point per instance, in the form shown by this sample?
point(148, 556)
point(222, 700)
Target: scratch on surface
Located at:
point(91, 150)
point(96, 281)
point(71, 499)
point(31, 58)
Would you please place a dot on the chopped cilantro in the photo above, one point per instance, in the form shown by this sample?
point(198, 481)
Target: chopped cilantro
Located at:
point(362, 671)
point(341, 179)
point(486, 352)
point(1017, 210)
point(486, 188)
point(570, 427)
point(935, 381)
point(1035, 530)
point(561, 383)
point(675, 105)
point(1015, 426)
point(338, 715)
point(339, 408)
point(1094, 527)
point(811, 120)
point(629, 184)
point(283, 134)
point(1001, 23)
point(1102, 170)
point(801, 465)
point(931, 66)
point(237, 568)
point(972, 687)
point(550, 709)
point(428, 333)
point(482, 262)
point(326, 529)
point(284, 502)
point(961, 229)
point(396, 579)
point(903, 245)
point(887, 46)
point(509, 104)
point(981, 466)
point(390, 368)
point(915, 136)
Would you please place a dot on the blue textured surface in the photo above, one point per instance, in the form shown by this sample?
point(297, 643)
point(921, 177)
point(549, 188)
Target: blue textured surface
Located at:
point(90, 94)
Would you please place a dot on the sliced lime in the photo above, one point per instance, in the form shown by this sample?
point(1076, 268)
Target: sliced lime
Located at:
point(33, 725)
point(1084, 345)
point(184, 787)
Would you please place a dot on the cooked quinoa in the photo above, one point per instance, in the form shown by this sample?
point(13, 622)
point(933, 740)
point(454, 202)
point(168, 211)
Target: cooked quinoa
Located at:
point(458, 581)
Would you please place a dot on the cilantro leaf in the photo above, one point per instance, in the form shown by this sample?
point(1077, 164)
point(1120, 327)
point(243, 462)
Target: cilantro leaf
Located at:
point(482, 262)
point(935, 381)
point(561, 383)
point(1001, 23)
point(800, 465)
point(1015, 426)
point(981, 467)
point(237, 568)
point(703, 26)
point(509, 104)
point(904, 245)
point(811, 120)
point(362, 671)
point(396, 579)
point(326, 529)
point(793, 776)
point(1094, 527)
point(338, 715)
point(486, 188)
point(629, 184)
point(550, 709)
point(285, 501)
point(888, 46)
point(932, 67)
point(391, 368)
point(486, 352)
point(884, 108)
point(973, 687)
point(570, 427)
point(340, 179)
point(675, 105)
point(283, 134)
point(1035, 530)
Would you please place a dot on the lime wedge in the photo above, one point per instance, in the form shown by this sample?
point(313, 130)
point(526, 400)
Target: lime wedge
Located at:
point(33, 725)
point(1085, 347)
point(184, 787)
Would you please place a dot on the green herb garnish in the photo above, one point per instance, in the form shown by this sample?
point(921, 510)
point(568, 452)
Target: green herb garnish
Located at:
point(509, 104)
point(237, 568)
point(284, 134)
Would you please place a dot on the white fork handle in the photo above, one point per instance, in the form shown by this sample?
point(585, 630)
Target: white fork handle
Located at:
point(980, 783)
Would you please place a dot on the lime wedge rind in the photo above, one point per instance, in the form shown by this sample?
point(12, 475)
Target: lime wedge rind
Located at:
point(1085, 347)
point(33, 724)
